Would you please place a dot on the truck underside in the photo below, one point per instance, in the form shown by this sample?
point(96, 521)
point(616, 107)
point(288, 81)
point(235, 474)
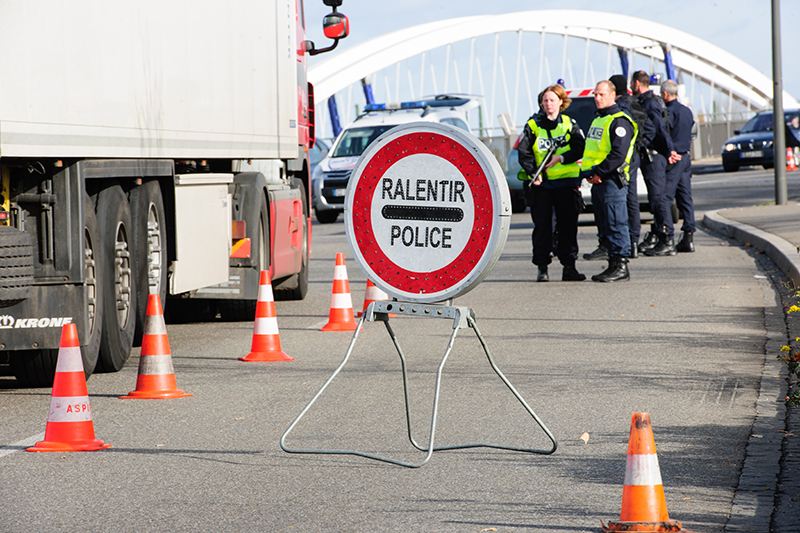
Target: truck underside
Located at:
point(87, 241)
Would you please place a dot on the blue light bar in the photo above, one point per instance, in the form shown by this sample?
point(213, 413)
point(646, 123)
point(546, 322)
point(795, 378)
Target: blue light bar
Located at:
point(417, 104)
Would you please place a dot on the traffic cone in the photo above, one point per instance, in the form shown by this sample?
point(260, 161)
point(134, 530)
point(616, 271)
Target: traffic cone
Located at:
point(790, 164)
point(644, 507)
point(340, 317)
point(69, 423)
point(266, 340)
point(156, 379)
point(370, 295)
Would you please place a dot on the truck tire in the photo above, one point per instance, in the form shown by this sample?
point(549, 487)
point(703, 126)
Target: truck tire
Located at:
point(16, 265)
point(243, 310)
point(150, 239)
point(296, 287)
point(118, 278)
point(327, 216)
point(34, 368)
point(94, 288)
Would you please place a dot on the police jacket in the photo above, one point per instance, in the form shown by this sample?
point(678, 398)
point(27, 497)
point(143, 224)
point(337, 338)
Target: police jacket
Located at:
point(661, 143)
point(527, 143)
point(621, 133)
point(680, 126)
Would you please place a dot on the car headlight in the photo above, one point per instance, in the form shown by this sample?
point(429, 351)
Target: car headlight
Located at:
point(769, 144)
point(729, 147)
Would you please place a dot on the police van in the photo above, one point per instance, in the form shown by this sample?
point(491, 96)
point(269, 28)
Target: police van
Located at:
point(330, 177)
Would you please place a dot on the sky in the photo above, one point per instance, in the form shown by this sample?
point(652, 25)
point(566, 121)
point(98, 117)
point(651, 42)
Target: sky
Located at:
point(740, 27)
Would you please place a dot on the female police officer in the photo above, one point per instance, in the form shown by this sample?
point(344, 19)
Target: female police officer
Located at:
point(556, 188)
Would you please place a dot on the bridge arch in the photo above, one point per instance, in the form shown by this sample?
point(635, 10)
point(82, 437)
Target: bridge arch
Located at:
point(702, 61)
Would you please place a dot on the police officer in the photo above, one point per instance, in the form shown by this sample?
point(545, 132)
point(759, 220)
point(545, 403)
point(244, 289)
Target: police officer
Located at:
point(679, 174)
point(556, 187)
point(605, 164)
point(630, 106)
point(655, 157)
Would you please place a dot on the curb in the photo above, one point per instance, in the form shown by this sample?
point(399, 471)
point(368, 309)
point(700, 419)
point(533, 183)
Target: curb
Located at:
point(754, 500)
point(781, 251)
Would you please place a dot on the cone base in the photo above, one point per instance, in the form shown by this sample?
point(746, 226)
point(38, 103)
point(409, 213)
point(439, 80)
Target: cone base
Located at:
point(666, 525)
point(76, 446)
point(339, 326)
point(268, 357)
point(155, 395)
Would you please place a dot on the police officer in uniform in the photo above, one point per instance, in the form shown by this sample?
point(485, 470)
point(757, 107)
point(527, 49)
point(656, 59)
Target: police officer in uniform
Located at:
point(658, 153)
point(605, 164)
point(679, 174)
point(630, 106)
point(556, 188)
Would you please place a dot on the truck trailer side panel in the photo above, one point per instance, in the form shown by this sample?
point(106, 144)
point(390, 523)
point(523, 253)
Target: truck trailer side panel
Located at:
point(148, 79)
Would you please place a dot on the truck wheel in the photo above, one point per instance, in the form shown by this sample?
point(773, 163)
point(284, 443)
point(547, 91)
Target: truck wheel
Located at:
point(243, 310)
point(118, 279)
point(327, 216)
point(150, 237)
point(34, 368)
point(16, 265)
point(296, 287)
point(94, 288)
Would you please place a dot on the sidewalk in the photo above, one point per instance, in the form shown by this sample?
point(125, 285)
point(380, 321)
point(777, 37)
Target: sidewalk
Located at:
point(772, 466)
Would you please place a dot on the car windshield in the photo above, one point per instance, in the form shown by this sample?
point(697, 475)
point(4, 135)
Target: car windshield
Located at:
point(582, 110)
point(355, 140)
point(763, 122)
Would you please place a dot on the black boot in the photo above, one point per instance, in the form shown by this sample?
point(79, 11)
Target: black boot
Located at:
point(617, 271)
point(686, 243)
point(600, 254)
point(543, 274)
point(570, 273)
point(662, 249)
point(605, 272)
point(634, 250)
point(648, 243)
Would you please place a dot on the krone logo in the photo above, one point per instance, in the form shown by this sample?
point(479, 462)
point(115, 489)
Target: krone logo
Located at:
point(6, 321)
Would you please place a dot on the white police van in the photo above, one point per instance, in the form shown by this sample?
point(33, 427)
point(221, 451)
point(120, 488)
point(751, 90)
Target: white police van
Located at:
point(330, 177)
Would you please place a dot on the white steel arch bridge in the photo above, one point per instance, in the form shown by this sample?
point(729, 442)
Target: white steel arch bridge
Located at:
point(467, 55)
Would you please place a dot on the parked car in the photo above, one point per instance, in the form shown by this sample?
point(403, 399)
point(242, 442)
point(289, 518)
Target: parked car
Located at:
point(317, 153)
point(330, 177)
point(752, 145)
point(582, 109)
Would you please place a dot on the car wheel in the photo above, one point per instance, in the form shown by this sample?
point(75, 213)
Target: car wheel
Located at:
point(328, 216)
point(730, 167)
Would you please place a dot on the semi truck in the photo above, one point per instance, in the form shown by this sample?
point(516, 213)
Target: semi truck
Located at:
point(148, 147)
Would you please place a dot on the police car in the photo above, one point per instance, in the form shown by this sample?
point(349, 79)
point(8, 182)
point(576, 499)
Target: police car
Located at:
point(329, 179)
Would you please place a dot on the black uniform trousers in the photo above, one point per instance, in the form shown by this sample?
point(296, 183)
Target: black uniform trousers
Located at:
point(634, 217)
point(655, 177)
point(679, 188)
point(564, 202)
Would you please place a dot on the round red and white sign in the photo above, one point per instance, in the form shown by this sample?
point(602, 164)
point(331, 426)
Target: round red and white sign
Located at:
point(427, 212)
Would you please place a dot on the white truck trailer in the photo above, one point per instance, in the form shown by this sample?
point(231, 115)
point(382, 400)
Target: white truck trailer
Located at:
point(148, 147)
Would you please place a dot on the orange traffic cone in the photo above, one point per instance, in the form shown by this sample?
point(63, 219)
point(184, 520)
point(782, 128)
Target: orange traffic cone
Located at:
point(156, 379)
point(340, 317)
point(370, 295)
point(790, 164)
point(644, 507)
point(69, 423)
point(266, 340)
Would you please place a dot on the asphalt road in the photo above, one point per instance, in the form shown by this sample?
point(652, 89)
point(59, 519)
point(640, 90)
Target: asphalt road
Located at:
point(683, 340)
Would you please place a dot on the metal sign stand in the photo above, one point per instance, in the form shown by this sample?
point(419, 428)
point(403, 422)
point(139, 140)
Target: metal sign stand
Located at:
point(462, 317)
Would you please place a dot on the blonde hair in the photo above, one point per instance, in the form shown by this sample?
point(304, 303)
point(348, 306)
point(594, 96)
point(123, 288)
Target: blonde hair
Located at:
point(559, 91)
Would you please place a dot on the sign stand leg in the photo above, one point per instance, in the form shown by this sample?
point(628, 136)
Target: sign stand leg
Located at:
point(463, 317)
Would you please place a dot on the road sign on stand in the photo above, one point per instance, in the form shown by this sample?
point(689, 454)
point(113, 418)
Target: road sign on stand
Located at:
point(427, 212)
